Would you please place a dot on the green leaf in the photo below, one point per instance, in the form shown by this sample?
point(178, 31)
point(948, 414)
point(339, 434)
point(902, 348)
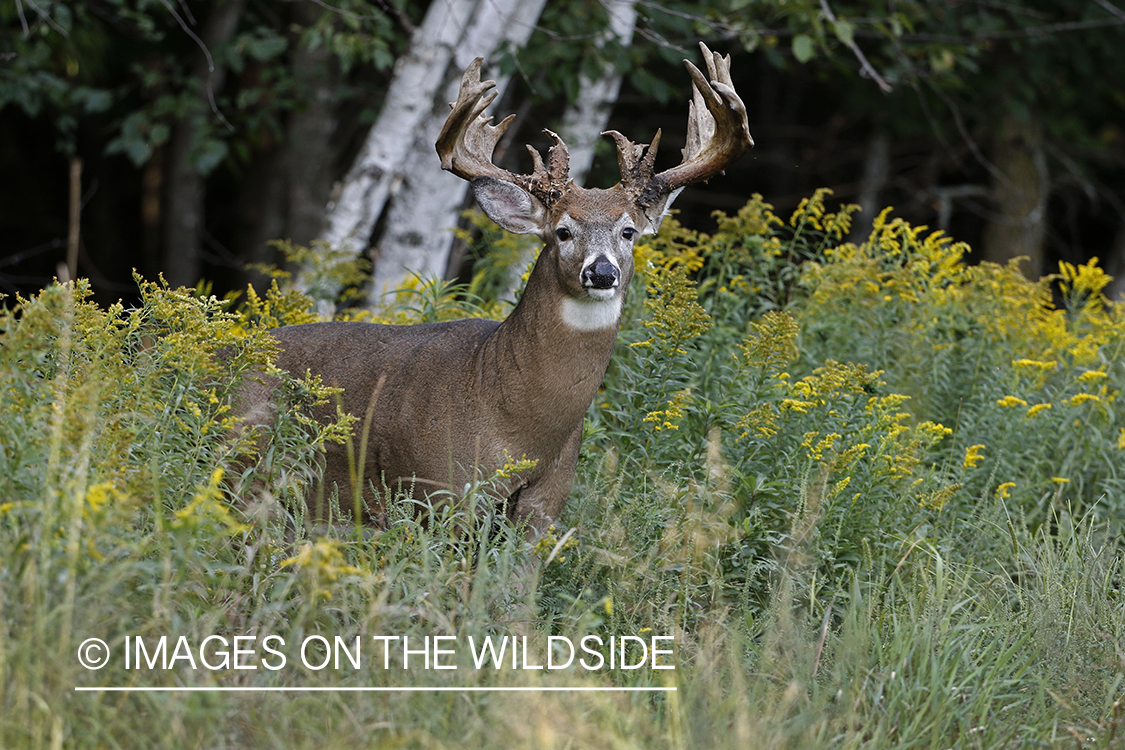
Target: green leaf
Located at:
point(803, 48)
point(265, 48)
point(91, 99)
point(210, 154)
point(845, 32)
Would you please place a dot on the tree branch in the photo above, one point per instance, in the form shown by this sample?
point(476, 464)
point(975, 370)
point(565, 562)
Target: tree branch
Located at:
point(865, 66)
point(1112, 9)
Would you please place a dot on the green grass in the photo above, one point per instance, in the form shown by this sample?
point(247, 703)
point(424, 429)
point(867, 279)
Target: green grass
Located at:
point(838, 564)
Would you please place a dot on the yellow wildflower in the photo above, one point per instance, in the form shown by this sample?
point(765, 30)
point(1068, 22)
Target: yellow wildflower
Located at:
point(1035, 363)
point(321, 564)
point(513, 467)
point(1080, 398)
point(1087, 279)
point(937, 499)
point(666, 418)
point(973, 456)
point(1005, 490)
point(816, 452)
point(762, 420)
point(1090, 376)
point(772, 342)
point(1036, 409)
point(1011, 401)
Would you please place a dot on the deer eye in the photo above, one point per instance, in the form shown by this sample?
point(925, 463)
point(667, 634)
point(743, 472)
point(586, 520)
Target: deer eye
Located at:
point(628, 233)
point(563, 234)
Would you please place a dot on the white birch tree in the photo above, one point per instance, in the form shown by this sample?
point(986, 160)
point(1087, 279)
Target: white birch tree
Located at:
point(417, 233)
point(452, 33)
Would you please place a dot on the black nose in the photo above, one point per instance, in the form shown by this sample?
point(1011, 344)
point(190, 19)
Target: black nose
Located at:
point(601, 274)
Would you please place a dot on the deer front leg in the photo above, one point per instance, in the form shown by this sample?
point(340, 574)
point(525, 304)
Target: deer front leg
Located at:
point(543, 499)
point(540, 503)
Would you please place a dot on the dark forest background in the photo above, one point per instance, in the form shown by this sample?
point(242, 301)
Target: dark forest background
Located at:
point(202, 130)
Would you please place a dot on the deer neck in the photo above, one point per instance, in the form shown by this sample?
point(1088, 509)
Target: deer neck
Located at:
point(548, 358)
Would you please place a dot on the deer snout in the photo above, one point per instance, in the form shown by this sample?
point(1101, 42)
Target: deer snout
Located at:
point(600, 274)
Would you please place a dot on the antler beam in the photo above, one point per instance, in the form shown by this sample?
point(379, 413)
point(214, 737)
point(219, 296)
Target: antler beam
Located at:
point(718, 135)
point(468, 140)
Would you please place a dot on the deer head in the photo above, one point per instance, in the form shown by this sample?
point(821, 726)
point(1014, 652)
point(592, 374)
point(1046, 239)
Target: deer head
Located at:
point(588, 234)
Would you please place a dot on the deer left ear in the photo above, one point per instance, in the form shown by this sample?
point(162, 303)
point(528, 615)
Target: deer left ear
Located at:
point(654, 214)
point(510, 206)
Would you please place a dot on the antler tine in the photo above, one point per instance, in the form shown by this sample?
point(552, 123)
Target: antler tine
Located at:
point(468, 140)
point(718, 131)
point(635, 162)
point(558, 159)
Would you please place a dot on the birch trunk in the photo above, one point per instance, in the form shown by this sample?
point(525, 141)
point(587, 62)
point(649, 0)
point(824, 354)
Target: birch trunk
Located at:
point(424, 208)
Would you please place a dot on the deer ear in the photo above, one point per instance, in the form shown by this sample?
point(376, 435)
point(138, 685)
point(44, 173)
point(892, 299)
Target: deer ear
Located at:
point(655, 213)
point(510, 206)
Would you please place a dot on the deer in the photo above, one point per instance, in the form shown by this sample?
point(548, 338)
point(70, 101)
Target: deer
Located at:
point(440, 402)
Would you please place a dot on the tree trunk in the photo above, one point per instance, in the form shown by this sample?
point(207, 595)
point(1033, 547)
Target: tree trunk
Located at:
point(183, 215)
point(285, 194)
point(1019, 188)
point(419, 76)
point(417, 233)
point(876, 175)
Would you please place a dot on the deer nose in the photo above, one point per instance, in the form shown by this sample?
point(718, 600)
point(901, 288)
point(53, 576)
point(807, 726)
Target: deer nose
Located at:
point(601, 274)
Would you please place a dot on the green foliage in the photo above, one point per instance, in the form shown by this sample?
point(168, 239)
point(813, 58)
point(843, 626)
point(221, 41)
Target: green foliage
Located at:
point(135, 63)
point(496, 256)
point(828, 469)
point(984, 350)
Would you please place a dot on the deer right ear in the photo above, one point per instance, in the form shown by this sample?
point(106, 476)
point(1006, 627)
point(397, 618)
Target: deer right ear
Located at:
point(510, 206)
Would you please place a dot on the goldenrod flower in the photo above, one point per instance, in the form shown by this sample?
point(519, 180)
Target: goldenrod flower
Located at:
point(1009, 401)
point(1035, 363)
point(973, 456)
point(1090, 376)
point(1080, 398)
point(1085, 279)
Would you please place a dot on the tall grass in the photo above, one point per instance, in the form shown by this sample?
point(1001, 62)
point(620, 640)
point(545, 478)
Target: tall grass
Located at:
point(829, 481)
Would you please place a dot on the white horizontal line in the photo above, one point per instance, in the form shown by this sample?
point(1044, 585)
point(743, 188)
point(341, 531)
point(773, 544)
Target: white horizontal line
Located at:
point(313, 689)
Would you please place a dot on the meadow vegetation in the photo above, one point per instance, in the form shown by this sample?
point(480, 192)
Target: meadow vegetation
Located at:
point(875, 493)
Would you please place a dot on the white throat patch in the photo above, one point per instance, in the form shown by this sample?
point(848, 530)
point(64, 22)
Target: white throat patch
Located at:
point(591, 314)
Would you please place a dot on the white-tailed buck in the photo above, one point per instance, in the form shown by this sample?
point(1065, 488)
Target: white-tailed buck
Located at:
point(450, 399)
